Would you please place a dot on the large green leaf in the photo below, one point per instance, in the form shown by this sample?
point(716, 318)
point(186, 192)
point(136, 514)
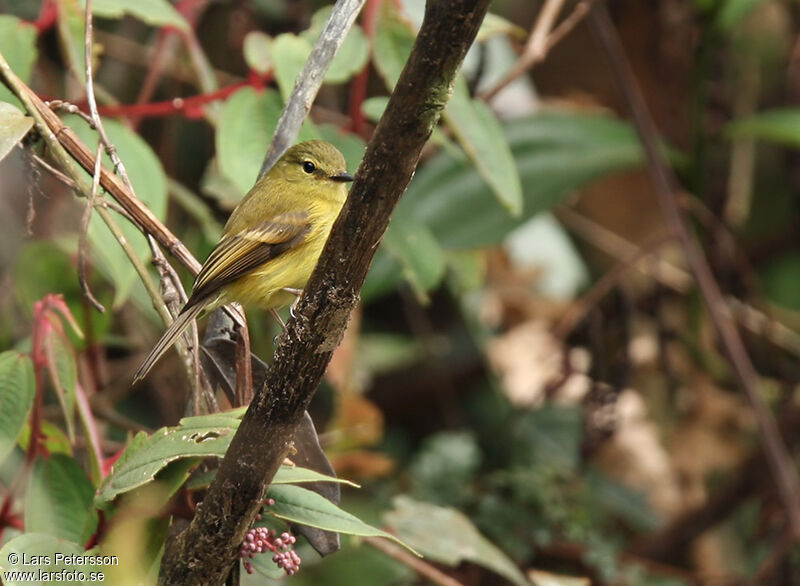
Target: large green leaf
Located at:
point(14, 125)
point(556, 153)
point(418, 252)
point(149, 181)
point(481, 137)
point(59, 500)
point(245, 128)
point(303, 506)
point(18, 46)
point(447, 536)
point(194, 437)
point(781, 126)
point(155, 12)
point(17, 389)
point(147, 456)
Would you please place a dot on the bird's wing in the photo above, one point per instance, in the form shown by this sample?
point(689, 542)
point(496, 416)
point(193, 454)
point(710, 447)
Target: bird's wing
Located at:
point(237, 254)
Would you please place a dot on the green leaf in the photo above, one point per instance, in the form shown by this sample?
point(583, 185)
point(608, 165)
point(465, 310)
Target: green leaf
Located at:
point(150, 183)
point(14, 125)
point(351, 57)
point(300, 505)
point(481, 137)
point(63, 373)
point(18, 46)
point(447, 536)
point(154, 12)
point(555, 152)
point(419, 254)
point(245, 129)
point(17, 390)
point(59, 500)
point(53, 439)
point(289, 54)
point(391, 43)
point(195, 437)
point(298, 475)
point(257, 51)
point(780, 126)
point(46, 553)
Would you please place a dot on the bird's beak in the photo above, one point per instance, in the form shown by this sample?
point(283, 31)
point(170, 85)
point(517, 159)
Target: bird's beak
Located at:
point(342, 177)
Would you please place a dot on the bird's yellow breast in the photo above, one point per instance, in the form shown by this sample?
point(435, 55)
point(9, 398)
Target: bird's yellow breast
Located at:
point(264, 286)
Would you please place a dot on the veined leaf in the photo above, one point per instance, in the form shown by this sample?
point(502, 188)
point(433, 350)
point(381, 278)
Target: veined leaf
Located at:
point(447, 536)
point(14, 125)
point(481, 137)
point(59, 500)
point(300, 505)
point(17, 389)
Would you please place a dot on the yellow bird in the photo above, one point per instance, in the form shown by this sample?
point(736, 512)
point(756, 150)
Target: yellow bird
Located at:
point(272, 240)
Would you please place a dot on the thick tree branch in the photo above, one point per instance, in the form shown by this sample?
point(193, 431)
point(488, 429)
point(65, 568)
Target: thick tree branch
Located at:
point(204, 553)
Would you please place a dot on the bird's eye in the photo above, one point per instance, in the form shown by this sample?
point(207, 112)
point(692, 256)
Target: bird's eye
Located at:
point(308, 167)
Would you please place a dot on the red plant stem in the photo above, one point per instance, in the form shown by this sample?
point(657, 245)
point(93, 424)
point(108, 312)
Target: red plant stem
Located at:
point(41, 325)
point(47, 16)
point(358, 89)
point(190, 10)
point(189, 107)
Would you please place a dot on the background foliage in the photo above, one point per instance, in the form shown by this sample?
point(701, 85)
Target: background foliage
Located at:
point(523, 395)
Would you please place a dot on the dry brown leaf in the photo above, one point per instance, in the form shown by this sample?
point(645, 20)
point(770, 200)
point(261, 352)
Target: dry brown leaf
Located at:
point(527, 359)
point(635, 455)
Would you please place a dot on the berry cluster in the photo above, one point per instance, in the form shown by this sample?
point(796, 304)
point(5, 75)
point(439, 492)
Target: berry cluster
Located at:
point(261, 540)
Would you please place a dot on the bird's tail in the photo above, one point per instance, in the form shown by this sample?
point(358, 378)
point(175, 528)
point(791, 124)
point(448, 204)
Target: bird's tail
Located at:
point(173, 332)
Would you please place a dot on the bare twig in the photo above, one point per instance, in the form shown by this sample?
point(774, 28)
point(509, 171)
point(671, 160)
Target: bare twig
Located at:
point(310, 79)
point(603, 286)
point(780, 462)
point(83, 234)
point(421, 567)
point(542, 39)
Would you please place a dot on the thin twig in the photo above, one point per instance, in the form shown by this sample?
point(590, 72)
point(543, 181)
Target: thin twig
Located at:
point(53, 171)
point(421, 567)
point(781, 464)
point(578, 310)
point(753, 319)
point(310, 79)
point(83, 234)
point(619, 248)
point(542, 39)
